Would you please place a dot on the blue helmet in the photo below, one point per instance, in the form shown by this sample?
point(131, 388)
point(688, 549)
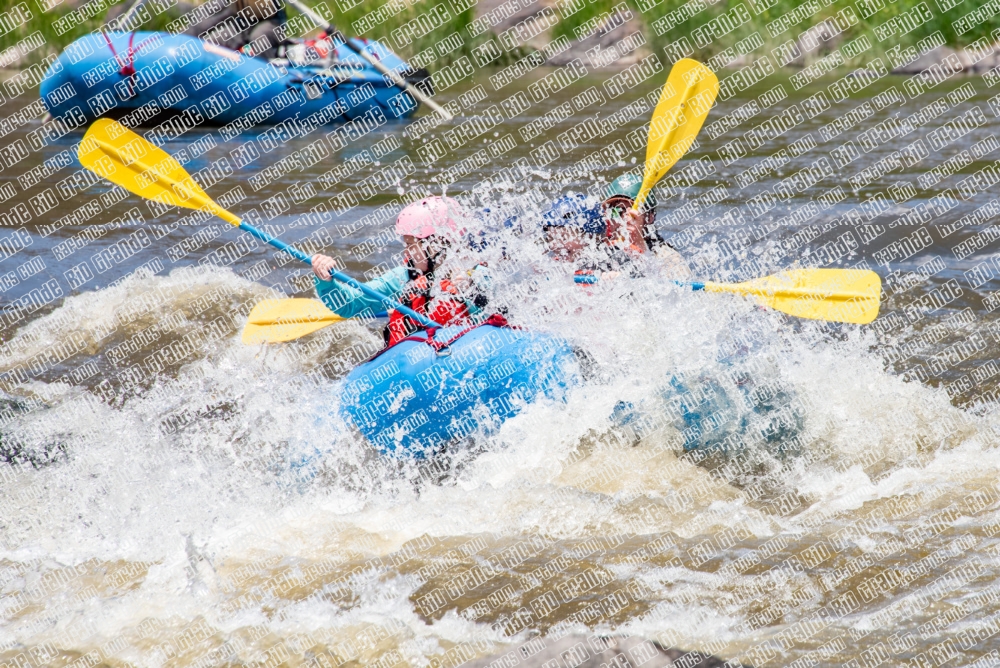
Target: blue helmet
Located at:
point(578, 211)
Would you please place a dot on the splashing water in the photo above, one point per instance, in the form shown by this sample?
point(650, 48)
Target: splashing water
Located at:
point(223, 511)
point(726, 479)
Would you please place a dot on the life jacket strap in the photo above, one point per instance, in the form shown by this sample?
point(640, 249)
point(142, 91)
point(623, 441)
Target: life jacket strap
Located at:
point(495, 320)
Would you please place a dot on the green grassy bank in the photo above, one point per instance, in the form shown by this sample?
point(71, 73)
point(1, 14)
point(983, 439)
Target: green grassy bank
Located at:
point(692, 27)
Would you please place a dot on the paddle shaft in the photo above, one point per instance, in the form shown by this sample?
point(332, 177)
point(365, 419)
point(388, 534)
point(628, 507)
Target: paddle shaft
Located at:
point(336, 275)
point(285, 321)
point(205, 203)
point(394, 76)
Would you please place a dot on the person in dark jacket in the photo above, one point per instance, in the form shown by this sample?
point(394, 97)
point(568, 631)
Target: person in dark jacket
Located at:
point(255, 27)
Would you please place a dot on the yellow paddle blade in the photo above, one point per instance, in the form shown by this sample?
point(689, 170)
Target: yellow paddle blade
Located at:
point(684, 103)
point(279, 320)
point(119, 155)
point(837, 295)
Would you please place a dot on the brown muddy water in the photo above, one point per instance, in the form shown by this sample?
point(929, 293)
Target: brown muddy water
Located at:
point(206, 506)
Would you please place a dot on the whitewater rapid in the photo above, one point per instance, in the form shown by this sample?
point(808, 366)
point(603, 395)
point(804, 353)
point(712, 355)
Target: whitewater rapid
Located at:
point(223, 509)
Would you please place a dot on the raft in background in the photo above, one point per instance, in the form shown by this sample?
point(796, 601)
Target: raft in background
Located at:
point(417, 396)
point(178, 81)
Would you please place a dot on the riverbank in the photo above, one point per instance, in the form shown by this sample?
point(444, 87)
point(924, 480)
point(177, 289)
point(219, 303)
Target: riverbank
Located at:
point(599, 33)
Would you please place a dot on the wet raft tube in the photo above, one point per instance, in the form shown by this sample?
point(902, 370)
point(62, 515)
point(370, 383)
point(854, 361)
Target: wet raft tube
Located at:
point(412, 399)
point(148, 78)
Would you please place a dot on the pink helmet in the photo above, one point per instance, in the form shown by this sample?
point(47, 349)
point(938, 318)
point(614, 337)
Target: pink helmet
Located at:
point(430, 216)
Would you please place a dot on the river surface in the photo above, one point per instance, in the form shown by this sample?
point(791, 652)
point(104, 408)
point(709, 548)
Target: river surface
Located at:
point(171, 497)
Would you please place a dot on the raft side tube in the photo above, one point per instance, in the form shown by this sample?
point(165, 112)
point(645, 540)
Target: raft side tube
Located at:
point(411, 400)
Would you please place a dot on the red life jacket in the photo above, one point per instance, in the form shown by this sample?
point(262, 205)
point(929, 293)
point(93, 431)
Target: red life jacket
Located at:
point(445, 308)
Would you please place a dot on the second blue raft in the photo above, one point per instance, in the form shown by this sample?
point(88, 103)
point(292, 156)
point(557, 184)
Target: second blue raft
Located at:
point(152, 78)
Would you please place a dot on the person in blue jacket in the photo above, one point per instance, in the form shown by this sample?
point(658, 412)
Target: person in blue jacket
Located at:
point(617, 235)
point(576, 231)
point(429, 229)
point(636, 230)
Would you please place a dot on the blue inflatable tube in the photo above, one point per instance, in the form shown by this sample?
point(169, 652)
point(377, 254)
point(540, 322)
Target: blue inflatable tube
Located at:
point(413, 398)
point(151, 78)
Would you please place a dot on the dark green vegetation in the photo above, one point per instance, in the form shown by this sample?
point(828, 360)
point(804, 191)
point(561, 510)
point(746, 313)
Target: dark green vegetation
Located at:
point(45, 23)
point(886, 23)
point(694, 26)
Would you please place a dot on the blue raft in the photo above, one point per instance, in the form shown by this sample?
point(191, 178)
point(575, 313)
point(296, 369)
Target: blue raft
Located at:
point(151, 78)
point(416, 396)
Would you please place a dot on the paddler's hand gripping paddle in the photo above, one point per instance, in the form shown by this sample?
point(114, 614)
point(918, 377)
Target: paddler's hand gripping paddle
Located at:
point(114, 152)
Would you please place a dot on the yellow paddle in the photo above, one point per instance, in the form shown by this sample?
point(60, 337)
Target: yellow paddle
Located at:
point(837, 295)
point(114, 152)
point(684, 103)
point(279, 320)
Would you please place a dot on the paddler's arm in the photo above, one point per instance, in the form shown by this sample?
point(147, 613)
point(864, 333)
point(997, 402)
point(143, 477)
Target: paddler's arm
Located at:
point(348, 302)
